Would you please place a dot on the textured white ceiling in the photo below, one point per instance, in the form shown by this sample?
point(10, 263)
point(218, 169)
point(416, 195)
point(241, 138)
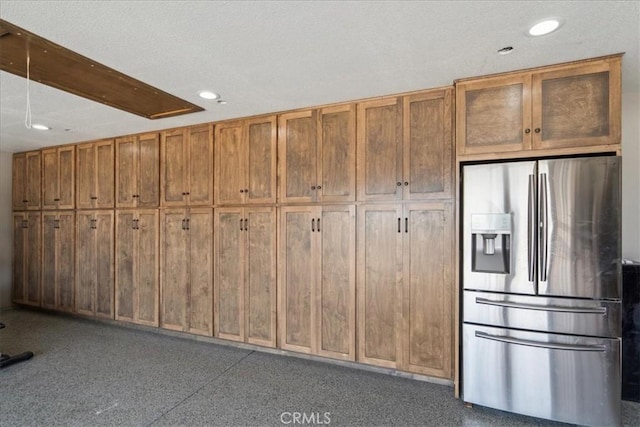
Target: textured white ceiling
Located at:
point(269, 56)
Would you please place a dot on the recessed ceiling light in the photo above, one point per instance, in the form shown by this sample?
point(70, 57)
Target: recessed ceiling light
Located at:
point(544, 27)
point(208, 95)
point(40, 127)
point(505, 50)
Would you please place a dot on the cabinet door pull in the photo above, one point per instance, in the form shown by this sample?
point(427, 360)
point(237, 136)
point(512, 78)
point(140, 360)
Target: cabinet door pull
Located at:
point(246, 224)
point(313, 187)
point(406, 225)
point(319, 187)
point(242, 191)
point(25, 224)
point(537, 130)
point(56, 200)
point(398, 225)
point(94, 198)
point(399, 184)
point(187, 222)
point(25, 201)
point(318, 224)
point(246, 190)
point(56, 223)
point(184, 221)
point(406, 183)
point(313, 225)
point(527, 131)
point(240, 224)
point(133, 224)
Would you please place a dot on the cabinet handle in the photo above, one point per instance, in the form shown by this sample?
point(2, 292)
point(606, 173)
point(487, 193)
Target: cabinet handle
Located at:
point(187, 222)
point(313, 187)
point(137, 224)
point(246, 224)
point(94, 198)
point(133, 224)
point(527, 130)
point(56, 200)
point(318, 224)
point(246, 190)
point(406, 183)
point(313, 225)
point(25, 201)
point(56, 223)
point(188, 193)
point(406, 225)
point(25, 224)
point(242, 191)
point(398, 225)
point(537, 130)
point(399, 184)
point(319, 187)
point(184, 221)
point(240, 224)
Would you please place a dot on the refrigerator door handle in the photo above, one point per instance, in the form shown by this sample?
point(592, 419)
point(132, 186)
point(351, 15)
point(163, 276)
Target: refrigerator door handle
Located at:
point(543, 227)
point(557, 308)
point(531, 234)
point(531, 343)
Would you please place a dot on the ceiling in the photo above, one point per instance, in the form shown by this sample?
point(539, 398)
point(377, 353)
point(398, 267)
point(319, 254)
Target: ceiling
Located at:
point(270, 56)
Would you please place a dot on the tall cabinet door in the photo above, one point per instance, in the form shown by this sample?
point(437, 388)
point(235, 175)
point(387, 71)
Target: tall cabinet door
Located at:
point(200, 170)
point(200, 261)
point(428, 147)
point(261, 156)
point(103, 230)
point(94, 177)
point(296, 287)
point(380, 150)
point(174, 284)
point(58, 173)
point(148, 171)
point(337, 154)
point(26, 258)
point(126, 259)
point(50, 179)
point(427, 331)
point(126, 170)
point(336, 289)
point(229, 158)
point(174, 179)
point(58, 253)
point(86, 268)
point(19, 255)
point(298, 169)
point(379, 281)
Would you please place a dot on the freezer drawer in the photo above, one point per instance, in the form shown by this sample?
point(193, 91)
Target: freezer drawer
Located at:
point(559, 377)
point(556, 315)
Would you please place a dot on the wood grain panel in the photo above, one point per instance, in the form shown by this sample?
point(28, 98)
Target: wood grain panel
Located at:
point(337, 153)
point(229, 179)
point(66, 186)
point(494, 115)
point(174, 271)
point(50, 179)
point(86, 175)
point(85, 262)
point(126, 258)
point(200, 169)
point(48, 260)
point(34, 254)
point(298, 173)
point(19, 181)
point(126, 170)
point(337, 282)
point(34, 168)
point(261, 152)
point(200, 259)
point(174, 164)
point(379, 284)
point(147, 268)
point(260, 262)
point(65, 261)
point(104, 305)
point(105, 179)
point(148, 171)
point(19, 255)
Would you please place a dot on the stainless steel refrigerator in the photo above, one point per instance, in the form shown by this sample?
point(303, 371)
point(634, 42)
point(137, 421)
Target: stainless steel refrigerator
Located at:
point(542, 287)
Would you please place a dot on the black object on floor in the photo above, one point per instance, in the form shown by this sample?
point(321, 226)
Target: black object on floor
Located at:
point(6, 360)
point(631, 332)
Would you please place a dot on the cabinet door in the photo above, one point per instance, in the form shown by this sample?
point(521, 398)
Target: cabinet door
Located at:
point(65, 261)
point(428, 153)
point(33, 178)
point(200, 260)
point(380, 150)
point(126, 172)
point(380, 285)
point(298, 153)
point(85, 261)
point(229, 251)
point(200, 172)
point(174, 270)
point(103, 232)
point(148, 171)
point(34, 257)
point(19, 182)
point(126, 265)
point(296, 278)
point(86, 176)
point(261, 156)
point(147, 295)
point(229, 158)
point(49, 260)
point(577, 106)
point(337, 154)
point(260, 267)
point(19, 255)
point(66, 174)
point(336, 290)
point(428, 309)
point(174, 166)
point(50, 179)
point(105, 182)
point(494, 114)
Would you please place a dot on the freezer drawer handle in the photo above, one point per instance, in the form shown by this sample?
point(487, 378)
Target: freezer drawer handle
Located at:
point(588, 310)
point(552, 346)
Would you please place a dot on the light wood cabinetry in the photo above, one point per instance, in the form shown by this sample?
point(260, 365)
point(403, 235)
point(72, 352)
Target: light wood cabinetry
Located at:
point(405, 147)
point(404, 287)
point(186, 275)
point(95, 175)
point(26, 181)
point(94, 263)
point(317, 155)
point(566, 106)
point(58, 260)
point(138, 171)
point(137, 263)
point(245, 274)
point(27, 229)
point(186, 166)
point(245, 159)
point(316, 280)
point(58, 178)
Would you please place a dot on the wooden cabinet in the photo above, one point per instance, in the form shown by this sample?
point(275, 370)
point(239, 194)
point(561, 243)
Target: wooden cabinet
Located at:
point(186, 166)
point(58, 178)
point(58, 260)
point(245, 274)
point(186, 276)
point(27, 248)
point(94, 177)
point(137, 284)
point(566, 106)
point(26, 181)
point(316, 280)
point(94, 263)
point(405, 147)
point(138, 171)
point(317, 153)
point(245, 161)
point(405, 270)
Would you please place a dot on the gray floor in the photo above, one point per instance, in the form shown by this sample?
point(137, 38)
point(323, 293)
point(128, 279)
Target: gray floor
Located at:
point(86, 373)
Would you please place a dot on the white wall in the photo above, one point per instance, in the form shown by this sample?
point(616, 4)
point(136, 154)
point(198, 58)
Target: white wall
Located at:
point(631, 176)
point(6, 222)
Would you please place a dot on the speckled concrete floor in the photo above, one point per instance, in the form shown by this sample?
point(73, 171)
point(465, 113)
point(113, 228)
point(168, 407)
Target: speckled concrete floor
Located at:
point(92, 374)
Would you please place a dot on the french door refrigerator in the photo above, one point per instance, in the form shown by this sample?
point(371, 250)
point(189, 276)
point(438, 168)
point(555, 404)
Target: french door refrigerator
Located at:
point(542, 287)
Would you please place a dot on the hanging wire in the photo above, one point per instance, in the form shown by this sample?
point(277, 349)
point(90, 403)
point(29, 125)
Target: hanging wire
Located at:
point(27, 116)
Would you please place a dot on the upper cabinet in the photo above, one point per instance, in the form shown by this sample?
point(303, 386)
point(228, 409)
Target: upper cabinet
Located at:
point(94, 177)
point(405, 147)
point(317, 155)
point(138, 171)
point(26, 181)
point(58, 178)
point(565, 106)
point(186, 166)
point(245, 159)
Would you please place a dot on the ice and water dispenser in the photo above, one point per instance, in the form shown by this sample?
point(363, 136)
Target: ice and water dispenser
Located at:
point(491, 243)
